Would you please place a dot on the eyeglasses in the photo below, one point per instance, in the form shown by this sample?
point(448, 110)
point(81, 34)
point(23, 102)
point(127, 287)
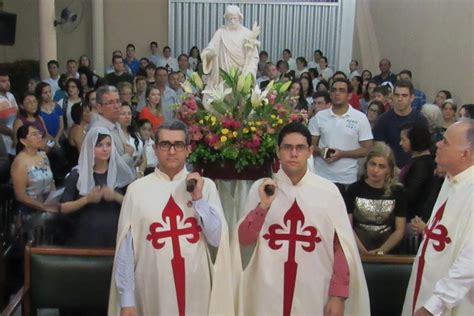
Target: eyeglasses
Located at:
point(166, 145)
point(112, 102)
point(289, 148)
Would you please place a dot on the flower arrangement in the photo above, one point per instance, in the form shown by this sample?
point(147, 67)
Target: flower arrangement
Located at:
point(234, 122)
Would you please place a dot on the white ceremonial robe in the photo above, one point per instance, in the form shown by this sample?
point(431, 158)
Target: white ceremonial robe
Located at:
point(260, 286)
point(230, 52)
point(447, 279)
point(208, 287)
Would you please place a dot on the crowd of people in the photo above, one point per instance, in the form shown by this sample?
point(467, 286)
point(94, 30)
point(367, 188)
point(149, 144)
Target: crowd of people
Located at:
point(374, 137)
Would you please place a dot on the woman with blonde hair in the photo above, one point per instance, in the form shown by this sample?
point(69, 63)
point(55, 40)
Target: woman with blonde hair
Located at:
point(377, 205)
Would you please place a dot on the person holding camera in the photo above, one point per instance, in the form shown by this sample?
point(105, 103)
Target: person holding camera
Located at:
point(304, 256)
point(341, 135)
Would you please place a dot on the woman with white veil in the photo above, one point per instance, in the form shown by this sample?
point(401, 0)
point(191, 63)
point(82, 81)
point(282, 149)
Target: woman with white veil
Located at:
point(94, 191)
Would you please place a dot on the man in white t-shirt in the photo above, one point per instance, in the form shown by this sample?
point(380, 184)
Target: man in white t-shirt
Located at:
point(341, 134)
point(168, 61)
point(53, 80)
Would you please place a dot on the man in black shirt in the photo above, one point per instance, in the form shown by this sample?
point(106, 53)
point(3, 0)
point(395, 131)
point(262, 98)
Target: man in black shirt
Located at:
point(119, 74)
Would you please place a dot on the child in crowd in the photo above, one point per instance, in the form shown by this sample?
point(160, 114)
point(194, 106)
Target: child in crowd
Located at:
point(146, 132)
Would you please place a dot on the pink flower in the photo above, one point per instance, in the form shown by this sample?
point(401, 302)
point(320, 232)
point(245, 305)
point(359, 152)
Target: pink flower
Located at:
point(191, 103)
point(211, 139)
point(230, 123)
point(271, 98)
point(294, 117)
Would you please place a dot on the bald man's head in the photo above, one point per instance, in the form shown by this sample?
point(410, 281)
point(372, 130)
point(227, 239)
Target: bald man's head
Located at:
point(455, 152)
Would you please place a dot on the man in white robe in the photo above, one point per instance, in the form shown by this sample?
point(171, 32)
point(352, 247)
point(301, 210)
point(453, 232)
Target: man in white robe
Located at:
point(163, 262)
point(233, 45)
point(442, 278)
point(305, 260)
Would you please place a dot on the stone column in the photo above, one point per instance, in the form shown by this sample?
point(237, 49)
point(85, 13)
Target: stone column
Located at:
point(98, 36)
point(47, 35)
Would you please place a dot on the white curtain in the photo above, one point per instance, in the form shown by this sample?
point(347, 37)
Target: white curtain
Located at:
point(301, 26)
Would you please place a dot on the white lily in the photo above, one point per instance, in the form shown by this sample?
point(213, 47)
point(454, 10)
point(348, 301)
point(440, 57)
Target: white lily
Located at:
point(197, 80)
point(187, 87)
point(258, 96)
point(216, 93)
point(251, 41)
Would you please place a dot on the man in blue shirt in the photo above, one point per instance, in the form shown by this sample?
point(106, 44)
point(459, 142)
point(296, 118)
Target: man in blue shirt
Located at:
point(131, 61)
point(387, 128)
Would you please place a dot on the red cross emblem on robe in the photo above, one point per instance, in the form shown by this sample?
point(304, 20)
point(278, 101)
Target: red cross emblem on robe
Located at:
point(277, 234)
point(436, 235)
point(179, 227)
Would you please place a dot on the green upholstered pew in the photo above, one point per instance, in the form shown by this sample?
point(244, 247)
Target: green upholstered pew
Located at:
point(387, 279)
point(64, 278)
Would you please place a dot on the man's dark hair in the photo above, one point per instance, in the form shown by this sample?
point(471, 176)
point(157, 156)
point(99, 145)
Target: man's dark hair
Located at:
point(114, 57)
point(131, 45)
point(322, 94)
point(263, 53)
point(406, 72)
point(53, 62)
point(282, 62)
point(356, 61)
point(313, 72)
point(154, 43)
point(318, 51)
point(4, 73)
point(70, 61)
point(404, 84)
point(419, 136)
point(469, 108)
point(161, 68)
point(339, 72)
point(447, 93)
point(173, 125)
point(166, 47)
point(287, 51)
point(150, 66)
point(384, 90)
point(346, 81)
point(183, 55)
point(295, 127)
point(325, 59)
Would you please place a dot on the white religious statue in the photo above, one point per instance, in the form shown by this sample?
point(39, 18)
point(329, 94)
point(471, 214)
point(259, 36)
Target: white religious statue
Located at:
point(232, 46)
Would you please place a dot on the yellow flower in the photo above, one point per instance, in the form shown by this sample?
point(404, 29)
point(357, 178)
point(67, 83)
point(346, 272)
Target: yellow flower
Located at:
point(273, 116)
point(250, 123)
point(223, 139)
point(206, 117)
point(253, 128)
point(245, 130)
point(258, 123)
point(201, 122)
point(280, 121)
point(235, 134)
point(213, 120)
point(225, 131)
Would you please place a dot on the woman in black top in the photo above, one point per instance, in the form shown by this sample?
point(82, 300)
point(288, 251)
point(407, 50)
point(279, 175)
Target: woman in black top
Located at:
point(417, 174)
point(94, 191)
point(376, 204)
